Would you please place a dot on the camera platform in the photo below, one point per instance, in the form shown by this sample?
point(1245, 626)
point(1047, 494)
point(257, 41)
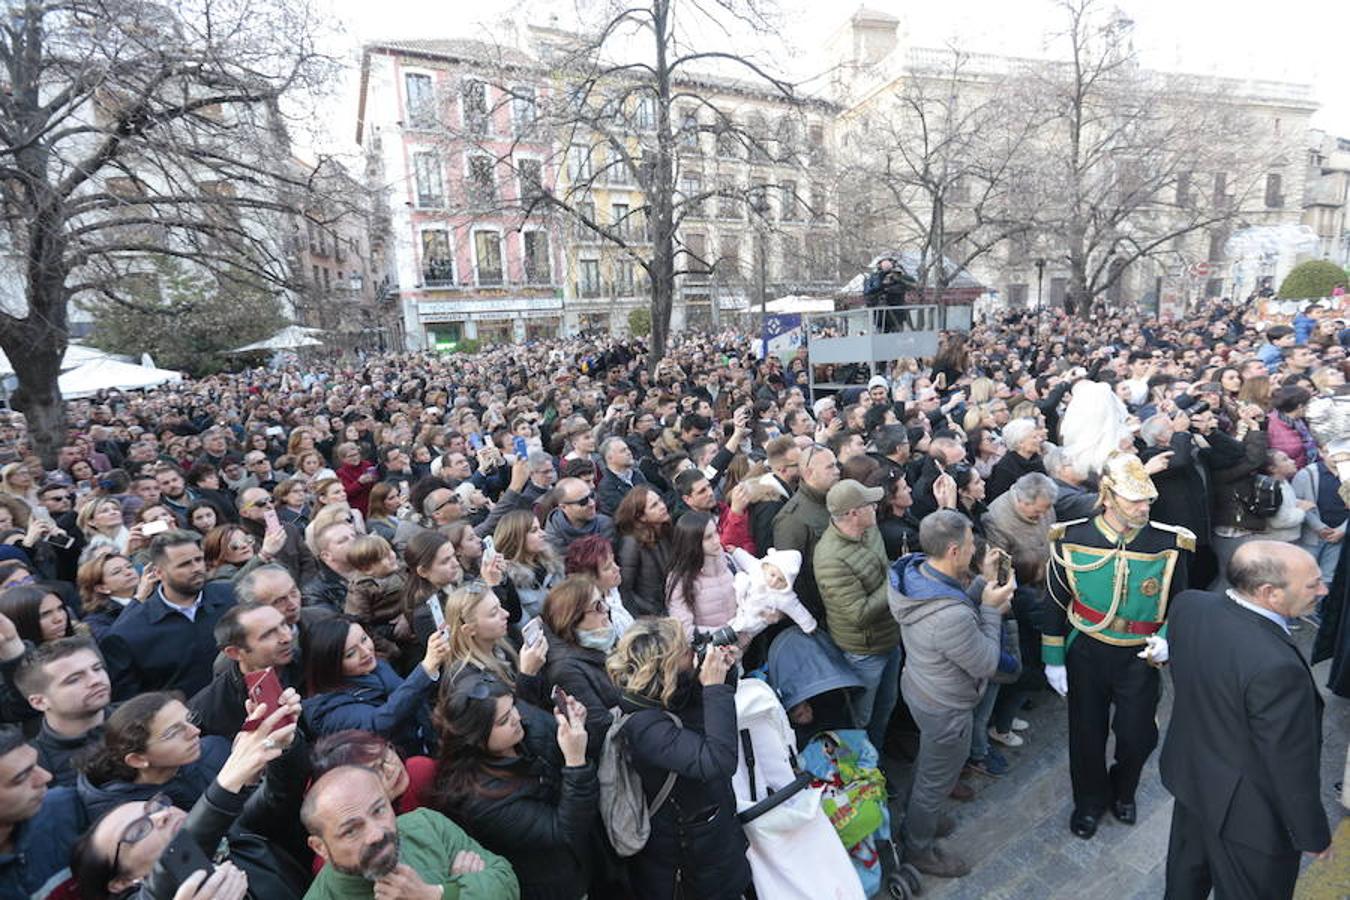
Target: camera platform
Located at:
point(848, 339)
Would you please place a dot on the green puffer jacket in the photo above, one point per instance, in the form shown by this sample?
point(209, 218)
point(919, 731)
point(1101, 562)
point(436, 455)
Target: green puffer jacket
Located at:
point(854, 583)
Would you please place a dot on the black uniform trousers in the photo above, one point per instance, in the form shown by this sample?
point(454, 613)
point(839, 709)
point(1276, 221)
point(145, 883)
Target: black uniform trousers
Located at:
point(1101, 676)
point(1199, 859)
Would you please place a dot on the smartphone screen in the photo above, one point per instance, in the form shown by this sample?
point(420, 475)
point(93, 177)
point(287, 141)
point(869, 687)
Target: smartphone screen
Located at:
point(437, 613)
point(271, 520)
point(533, 632)
point(521, 449)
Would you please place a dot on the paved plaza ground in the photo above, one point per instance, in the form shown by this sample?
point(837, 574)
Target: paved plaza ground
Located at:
point(1016, 830)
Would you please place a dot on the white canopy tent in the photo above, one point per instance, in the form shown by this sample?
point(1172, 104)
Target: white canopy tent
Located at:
point(288, 338)
point(101, 374)
point(799, 304)
point(76, 355)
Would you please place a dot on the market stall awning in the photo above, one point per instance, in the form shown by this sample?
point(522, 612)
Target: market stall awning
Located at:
point(76, 355)
point(288, 338)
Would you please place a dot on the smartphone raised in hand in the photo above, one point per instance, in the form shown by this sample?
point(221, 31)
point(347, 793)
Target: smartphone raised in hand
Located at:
point(264, 687)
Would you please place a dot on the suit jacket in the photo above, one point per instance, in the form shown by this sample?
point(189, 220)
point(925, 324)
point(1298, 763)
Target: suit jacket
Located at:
point(1244, 746)
point(152, 647)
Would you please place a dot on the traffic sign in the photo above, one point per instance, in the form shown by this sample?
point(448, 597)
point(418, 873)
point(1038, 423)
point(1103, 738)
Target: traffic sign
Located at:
point(1202, 269)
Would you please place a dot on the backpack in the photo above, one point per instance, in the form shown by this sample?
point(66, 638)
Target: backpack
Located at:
point(1265, 498)
point(623, 803)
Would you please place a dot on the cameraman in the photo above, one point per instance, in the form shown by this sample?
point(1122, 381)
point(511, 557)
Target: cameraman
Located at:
point(886, 286)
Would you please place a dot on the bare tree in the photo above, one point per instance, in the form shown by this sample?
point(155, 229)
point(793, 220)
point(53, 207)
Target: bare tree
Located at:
point(933, 167)
point(1124, 156)
point(633, 102)
point(134, 130)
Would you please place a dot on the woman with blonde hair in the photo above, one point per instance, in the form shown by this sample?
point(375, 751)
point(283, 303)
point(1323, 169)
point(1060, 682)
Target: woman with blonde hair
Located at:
point(682, 724)
point(981, 391)
point(17, 481)
point(310, 467)
point(532, 567)
point(1256, 389)
point(477, 626)
point(108, 583)
point(333, 512)
point(101, 521)
point(230, 552)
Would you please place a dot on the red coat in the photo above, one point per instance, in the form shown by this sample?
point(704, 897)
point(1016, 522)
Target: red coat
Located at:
point(358, 492)
point(734, 530)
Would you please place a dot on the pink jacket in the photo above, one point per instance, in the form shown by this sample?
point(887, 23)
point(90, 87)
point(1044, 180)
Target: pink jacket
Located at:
point(714, 602)
point(1281, 436)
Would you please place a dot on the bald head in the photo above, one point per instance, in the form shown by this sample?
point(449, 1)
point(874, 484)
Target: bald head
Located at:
point(351, 824)
point(1277, 576)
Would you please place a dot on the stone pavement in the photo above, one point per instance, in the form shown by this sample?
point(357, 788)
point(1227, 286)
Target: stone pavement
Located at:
point(1016, 830)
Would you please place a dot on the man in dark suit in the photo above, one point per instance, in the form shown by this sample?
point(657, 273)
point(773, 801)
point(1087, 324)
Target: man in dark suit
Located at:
point(167, 642)
point(1243, 750)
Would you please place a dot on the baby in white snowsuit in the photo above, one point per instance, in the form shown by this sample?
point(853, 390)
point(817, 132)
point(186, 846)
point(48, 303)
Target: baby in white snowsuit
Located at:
point(764, 592)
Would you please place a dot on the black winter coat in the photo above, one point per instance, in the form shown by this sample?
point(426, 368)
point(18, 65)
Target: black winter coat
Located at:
point(580, 672)
point(1233, 482)
point(644, 569)
point(1183, 496)
point(542, 816)
point(696, 840)
point(1006, 472)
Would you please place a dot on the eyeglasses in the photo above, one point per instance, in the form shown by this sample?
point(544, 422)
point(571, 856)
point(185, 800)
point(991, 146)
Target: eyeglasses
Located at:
point(264, 502)
point(454, 498)
point(141, 826)
point(475, 687)
point(581, 501)
point(191, 720)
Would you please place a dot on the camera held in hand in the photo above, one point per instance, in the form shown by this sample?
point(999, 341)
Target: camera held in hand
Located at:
point(702, 640)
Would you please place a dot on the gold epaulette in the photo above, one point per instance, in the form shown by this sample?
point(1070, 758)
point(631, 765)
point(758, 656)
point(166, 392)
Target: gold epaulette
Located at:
point(1057, 530)
point(1185, 537)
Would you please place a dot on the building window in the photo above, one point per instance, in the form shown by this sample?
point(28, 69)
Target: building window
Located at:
point(316, 276)
point(646, 113)
point(818, 210)
point(579, 163)
point(1274, 191)
point(815, 138)
point(327, 281)
point(616, 169)
point(624, 281)
point(691, 186)
point(620, 223)
point(524, 109)
point(421, 100)
point(474, 97)
point(1217, 240)
point(438, 267)
point(589, 285)
point(689, 128)
point(787, 140)
point(482, 181)
point(728, 142)
point(696, 257)
point(759, 199)
point(427, 176)
point(586, 213)
point(787, 201)
point(538, 265)
point(759, 137)
point(728, 203)
point(1220, 190)
point(530, 172)
point(487, 247)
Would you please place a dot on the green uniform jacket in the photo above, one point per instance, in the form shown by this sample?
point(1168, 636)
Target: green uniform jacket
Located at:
point(429, 843)
point(1124, 581)
point(854, 581)
point(798, 526)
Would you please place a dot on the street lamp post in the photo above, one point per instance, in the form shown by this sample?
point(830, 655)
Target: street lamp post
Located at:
point(1040, 282)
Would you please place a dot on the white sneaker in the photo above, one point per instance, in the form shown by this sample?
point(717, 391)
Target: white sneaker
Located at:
point(1006, 738)
point(1020, 724)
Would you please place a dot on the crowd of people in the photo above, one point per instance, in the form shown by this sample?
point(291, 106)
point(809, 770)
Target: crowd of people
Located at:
point(370, 628)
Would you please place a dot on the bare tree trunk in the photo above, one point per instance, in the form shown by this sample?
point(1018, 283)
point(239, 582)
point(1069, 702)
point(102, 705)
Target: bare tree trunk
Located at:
point(35, 348)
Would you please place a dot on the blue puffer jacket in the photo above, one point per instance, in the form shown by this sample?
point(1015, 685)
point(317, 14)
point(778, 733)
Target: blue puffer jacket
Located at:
point(380, 702)
point(40, 860)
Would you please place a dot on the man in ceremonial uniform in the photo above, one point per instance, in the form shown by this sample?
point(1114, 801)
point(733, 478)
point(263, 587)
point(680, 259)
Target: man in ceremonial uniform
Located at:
point(1111, 578)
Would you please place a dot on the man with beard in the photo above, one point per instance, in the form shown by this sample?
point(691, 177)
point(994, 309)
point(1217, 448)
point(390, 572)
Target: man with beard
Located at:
point(1105, 638)
point(167, 642)
point(369, 852)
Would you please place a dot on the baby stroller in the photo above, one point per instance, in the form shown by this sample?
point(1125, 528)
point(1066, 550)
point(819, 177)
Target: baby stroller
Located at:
point(813, 681)
point(793, 851)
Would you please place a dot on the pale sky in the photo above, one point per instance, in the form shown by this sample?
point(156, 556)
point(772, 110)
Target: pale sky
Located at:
point(1294, 40)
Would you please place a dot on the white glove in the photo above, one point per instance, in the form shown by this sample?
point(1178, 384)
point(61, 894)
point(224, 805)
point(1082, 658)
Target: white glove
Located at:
point(1155, 651)
point(1058, 676)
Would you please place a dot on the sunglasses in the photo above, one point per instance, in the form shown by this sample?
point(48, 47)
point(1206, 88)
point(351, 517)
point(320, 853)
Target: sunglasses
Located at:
point(581, 501)
point(263, 503)
point(141, 826)
point(478, 687)
point(444, 503)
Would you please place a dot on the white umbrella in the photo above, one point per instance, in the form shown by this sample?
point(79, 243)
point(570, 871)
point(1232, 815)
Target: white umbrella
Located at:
point(100, 374)
point(288, 338)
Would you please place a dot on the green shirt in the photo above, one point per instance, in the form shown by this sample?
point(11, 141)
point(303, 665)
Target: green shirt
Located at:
point(428, 843)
